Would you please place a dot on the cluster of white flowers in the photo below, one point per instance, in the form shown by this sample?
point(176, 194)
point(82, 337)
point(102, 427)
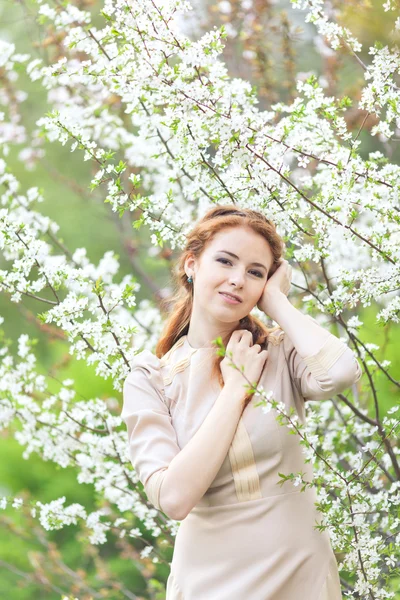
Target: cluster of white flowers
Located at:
point(319, 15)
point(381, 95)
point(106, 338)
point(198, 138)
point(70, 432)
point(62, 18)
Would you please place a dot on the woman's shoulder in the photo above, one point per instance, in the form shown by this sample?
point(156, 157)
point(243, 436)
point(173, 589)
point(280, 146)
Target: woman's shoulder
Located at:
point(147, 357)
point(144, 359)
point(175, 360)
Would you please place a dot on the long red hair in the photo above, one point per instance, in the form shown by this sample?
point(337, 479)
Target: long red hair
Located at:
point(181, 301)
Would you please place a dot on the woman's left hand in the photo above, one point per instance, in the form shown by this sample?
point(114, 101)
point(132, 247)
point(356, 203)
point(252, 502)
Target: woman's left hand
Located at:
point(278, 283)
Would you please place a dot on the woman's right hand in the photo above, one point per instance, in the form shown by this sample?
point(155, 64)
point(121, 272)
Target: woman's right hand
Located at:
point(244, 354)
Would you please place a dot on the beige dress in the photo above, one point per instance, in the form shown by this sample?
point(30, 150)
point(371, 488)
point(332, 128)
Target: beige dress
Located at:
point(247, 538)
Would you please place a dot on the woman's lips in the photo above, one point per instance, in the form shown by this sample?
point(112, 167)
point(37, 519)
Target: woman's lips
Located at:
point(229, 299)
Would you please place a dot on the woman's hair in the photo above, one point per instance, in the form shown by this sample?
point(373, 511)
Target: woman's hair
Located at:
point(215, 220)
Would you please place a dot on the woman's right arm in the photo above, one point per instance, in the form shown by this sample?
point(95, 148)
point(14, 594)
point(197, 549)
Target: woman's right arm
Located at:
point(191, 472)
point(175, 479)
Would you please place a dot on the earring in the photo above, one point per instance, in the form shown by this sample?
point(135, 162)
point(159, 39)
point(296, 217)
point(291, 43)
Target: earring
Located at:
point(190, 279)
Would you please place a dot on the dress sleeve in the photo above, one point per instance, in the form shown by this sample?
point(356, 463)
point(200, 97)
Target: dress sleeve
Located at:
point(152, 437)
point(329, 371)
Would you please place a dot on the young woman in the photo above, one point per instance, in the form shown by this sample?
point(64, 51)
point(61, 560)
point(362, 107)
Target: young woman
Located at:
point(206, 455)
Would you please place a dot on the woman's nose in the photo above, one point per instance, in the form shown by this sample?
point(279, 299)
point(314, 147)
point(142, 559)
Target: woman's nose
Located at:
point(237, 278)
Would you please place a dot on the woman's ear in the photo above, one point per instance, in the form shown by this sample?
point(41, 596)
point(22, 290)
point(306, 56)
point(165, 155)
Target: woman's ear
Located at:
point(189, 263)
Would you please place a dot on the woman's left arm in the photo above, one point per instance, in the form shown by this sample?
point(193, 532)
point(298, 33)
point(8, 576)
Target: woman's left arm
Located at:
point(307, 336)
point(321, 364)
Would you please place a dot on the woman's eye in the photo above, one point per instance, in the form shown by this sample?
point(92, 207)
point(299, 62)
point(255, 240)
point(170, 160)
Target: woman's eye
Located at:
point(225, 260)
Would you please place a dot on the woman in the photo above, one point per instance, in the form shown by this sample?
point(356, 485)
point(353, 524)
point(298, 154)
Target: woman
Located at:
point(206, 455)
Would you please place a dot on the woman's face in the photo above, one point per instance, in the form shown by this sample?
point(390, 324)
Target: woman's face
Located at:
point(218, 271)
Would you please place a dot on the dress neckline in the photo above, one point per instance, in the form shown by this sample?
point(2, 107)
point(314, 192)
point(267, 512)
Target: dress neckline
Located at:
point(197, 349)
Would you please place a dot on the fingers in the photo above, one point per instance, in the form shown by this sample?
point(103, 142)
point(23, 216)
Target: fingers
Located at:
point(246, 337)
point(240, 335)
point(287, 268)
point(257, 347)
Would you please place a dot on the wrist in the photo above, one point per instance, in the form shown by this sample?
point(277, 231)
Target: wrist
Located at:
point(235, 392)
point(274, 303)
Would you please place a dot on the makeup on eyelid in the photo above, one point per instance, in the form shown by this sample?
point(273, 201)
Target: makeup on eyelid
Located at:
point(260, 275)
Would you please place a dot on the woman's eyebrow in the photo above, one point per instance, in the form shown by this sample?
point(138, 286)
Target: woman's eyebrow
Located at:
point(234, 256)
